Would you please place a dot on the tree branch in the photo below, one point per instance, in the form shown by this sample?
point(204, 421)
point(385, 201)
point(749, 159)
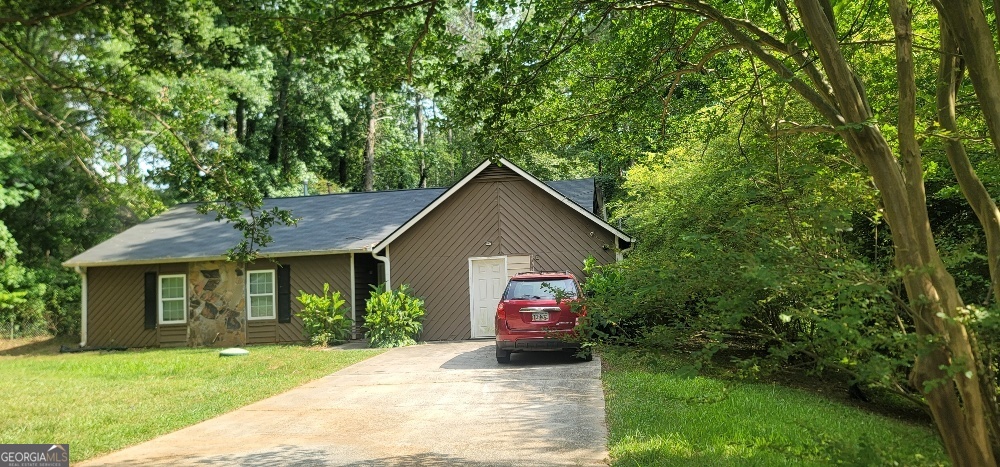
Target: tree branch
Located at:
point(794, 128)
point(45, 16)
point(420, 38)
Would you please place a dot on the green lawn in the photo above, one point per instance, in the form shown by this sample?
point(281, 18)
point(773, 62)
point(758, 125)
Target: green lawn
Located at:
point(101, 402)
point(656, 416)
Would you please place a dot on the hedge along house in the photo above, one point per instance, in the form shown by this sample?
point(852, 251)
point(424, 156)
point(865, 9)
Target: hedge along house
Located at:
point(165, 282)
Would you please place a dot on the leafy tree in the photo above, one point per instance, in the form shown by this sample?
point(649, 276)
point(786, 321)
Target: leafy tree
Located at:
point(803, 69)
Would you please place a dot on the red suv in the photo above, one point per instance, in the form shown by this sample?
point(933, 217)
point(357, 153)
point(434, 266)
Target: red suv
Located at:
point(535, 313)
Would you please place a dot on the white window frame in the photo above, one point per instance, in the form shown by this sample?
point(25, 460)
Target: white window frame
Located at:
point(273, 294)
point(159, 298)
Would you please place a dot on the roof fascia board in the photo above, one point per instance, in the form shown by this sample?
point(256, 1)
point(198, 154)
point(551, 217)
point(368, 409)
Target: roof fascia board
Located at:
point(430, 207)
point(566, 200)
point(196, 259)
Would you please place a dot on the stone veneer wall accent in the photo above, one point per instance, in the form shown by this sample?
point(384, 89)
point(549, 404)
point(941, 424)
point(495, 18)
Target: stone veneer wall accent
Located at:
point(216, 310)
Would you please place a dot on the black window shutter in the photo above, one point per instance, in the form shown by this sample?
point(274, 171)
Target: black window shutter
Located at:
point(151, 297)
point(285, 294)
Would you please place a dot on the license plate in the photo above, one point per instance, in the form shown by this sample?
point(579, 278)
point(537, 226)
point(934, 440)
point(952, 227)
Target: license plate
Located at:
point(540, 316)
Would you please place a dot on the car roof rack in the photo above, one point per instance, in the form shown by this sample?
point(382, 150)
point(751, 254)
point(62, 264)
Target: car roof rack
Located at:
point(543, 272)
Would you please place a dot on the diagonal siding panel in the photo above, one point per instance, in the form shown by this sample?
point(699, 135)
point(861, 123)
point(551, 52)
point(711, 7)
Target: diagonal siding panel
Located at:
point(116, 306)
point(517, 218)
point(558, 237)
point(433, 257)
point(309, 273)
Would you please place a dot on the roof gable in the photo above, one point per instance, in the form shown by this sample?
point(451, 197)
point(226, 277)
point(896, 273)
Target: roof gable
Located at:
point(475, 173)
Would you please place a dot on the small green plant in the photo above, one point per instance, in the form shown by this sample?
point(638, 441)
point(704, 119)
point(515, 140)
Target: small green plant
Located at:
point(325, 317)
point(394, 317)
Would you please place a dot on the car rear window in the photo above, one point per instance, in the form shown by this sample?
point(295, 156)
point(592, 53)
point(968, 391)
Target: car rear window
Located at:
point(540, 289)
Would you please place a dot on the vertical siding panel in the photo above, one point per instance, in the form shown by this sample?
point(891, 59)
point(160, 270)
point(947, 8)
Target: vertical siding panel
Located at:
point(116, 302)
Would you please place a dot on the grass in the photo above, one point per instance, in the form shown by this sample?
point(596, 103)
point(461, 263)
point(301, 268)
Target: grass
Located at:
point(659, 416)
point(102, 402)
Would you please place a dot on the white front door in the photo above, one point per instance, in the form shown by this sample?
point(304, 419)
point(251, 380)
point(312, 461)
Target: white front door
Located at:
point(488, 278)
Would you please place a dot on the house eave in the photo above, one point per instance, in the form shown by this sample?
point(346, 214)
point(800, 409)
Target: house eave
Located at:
point(195, 259)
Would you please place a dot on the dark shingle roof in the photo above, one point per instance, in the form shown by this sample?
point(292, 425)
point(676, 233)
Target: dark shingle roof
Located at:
point(327, 224)
point(578, 191)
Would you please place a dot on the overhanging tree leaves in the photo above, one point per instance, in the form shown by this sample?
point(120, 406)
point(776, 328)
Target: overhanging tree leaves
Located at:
point(807, 45)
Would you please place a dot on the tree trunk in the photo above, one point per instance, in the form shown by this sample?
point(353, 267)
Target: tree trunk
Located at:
point(946, 370)
point(241, 120)
point(344, 144)
point(420, 140)
point(373, 111)
point(967, 22)
point(967, 27)
point(949, 82)
point(277, 134)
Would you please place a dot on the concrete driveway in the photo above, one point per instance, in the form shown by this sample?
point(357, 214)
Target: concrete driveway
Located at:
point(432, 404)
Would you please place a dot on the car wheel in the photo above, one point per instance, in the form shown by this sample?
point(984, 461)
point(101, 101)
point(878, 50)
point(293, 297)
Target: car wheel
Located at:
point(503, 356)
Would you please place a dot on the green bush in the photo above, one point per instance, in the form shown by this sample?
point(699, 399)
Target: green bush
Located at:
point(61, 300)
point(325, 317)
point(768, 276)
point(394, 317)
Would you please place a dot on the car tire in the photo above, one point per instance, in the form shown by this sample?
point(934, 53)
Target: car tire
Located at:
point(503, 356)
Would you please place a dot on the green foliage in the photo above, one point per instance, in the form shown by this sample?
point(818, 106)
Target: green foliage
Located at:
point(393, 318)
point(734, 255)
point(325, 317)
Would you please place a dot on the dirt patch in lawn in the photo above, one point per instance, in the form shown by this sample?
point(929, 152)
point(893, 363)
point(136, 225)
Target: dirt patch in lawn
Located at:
point(45, 345)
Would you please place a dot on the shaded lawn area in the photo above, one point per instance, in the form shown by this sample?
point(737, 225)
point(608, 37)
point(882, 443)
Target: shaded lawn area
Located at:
point(102, 402)
point(659, 416)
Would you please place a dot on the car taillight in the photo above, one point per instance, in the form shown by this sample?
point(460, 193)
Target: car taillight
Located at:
point(500, 313)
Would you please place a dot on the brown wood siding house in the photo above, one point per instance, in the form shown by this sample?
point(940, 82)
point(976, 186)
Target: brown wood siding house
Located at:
point(496, 215)
point(165, 283)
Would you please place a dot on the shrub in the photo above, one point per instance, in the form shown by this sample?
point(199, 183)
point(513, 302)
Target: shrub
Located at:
point(770, 277)
point(325, 317)
point(61, 300)
point(394, 317)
